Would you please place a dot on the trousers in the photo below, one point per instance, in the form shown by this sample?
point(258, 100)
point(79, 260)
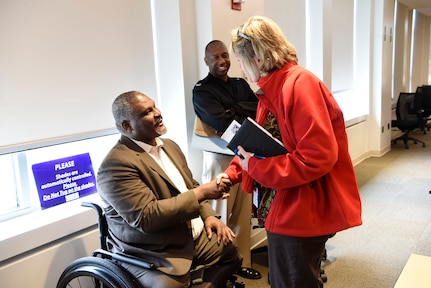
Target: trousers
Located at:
point(236, 210)
point(294, 262)
point(208, 253)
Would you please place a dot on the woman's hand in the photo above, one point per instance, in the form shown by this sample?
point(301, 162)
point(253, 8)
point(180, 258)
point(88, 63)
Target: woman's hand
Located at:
point(243, 158)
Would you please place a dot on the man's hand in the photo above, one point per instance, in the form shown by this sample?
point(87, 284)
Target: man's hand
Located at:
point(216, 189)
point(225, 235)
point(223, 178)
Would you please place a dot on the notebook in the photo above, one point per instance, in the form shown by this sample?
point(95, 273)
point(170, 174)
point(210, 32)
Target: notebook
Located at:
point(255, 139)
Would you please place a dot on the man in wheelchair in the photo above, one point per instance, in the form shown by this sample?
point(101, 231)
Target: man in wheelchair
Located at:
point(155, 209)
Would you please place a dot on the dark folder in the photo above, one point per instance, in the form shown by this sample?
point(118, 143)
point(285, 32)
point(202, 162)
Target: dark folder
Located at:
point(256, 139)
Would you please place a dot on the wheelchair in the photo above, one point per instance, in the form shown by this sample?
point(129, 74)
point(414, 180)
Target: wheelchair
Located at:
point(101, 270)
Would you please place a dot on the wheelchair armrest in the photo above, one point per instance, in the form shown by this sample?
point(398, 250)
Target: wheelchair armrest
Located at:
point(103, 225)
point(94, 206)
point(129, 259)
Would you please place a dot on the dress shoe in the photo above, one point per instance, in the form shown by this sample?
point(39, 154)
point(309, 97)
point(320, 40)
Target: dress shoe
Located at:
point(249, 273)
point(232, 283)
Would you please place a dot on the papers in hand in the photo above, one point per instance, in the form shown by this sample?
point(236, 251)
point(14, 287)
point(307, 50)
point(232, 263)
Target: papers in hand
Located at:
point(231, 131)
point(253, 138)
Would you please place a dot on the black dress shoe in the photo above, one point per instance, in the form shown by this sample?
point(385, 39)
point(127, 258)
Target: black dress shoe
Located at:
point(249, 273)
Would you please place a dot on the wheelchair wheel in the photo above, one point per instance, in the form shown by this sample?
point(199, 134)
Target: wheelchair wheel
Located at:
point(95, 272)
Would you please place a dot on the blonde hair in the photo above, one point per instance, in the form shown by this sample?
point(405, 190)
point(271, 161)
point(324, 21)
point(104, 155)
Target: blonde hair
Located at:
point(261, 37)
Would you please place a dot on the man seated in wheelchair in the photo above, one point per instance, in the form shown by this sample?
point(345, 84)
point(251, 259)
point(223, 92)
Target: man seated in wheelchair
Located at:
point(153, 206)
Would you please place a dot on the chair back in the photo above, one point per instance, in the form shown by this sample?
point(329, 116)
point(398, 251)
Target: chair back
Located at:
point(426, 103)
point(409, 107)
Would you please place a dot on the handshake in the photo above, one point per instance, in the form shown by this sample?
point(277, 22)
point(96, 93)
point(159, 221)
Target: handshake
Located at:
point(215, 189)
point(223, 184)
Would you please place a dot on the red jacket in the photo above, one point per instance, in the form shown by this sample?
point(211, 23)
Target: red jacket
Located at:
point(317, 192)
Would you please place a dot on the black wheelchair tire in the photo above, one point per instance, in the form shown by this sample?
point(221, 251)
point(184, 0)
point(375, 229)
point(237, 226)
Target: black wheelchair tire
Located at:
point(104, 271)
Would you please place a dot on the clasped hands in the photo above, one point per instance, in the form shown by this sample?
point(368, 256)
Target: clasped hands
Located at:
point(223, 184)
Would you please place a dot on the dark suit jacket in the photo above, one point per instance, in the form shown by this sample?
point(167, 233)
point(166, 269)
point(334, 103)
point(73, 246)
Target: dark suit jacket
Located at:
point(146, 213)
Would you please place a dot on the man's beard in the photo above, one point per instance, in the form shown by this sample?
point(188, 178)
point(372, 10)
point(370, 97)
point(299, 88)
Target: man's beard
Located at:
point(161, 131)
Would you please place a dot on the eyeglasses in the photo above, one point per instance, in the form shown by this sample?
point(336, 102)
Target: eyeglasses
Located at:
point(242, 35)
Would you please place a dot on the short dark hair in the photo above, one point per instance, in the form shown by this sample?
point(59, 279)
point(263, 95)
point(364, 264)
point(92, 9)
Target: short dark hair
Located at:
point(121, 109)
point(212, 42)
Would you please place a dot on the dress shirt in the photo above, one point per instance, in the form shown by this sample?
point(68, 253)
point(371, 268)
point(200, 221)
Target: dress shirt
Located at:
point(159, 155)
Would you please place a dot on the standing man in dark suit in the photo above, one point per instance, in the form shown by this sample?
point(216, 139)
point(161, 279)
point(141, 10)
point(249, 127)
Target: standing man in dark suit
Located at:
point(153, 205)
point(218, 100)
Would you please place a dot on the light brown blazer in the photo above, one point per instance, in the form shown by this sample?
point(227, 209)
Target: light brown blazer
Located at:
point(146, 213)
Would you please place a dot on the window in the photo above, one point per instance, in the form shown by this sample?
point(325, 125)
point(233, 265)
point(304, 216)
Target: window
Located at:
point(411, 50)
point(338, 41)
point(10, 196)
point(19, 191)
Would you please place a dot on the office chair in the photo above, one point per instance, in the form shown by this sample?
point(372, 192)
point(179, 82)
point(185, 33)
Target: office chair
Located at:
point(409, 116)
point(425, 90)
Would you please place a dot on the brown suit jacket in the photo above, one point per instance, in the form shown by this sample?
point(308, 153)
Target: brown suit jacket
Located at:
point(146, 214)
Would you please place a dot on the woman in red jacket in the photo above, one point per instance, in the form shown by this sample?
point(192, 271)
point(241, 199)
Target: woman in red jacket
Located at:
point(316, 193)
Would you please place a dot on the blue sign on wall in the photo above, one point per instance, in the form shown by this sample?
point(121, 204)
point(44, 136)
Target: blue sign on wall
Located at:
point(63, 180)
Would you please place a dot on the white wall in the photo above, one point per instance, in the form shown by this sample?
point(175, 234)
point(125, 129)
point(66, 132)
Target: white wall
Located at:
point(42, 267)
point(63, 62)
point(51, 240)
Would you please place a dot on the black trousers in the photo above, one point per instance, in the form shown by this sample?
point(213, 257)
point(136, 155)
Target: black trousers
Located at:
point(294, 262)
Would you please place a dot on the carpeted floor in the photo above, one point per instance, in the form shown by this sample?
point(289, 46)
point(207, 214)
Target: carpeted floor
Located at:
point(397, 222)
